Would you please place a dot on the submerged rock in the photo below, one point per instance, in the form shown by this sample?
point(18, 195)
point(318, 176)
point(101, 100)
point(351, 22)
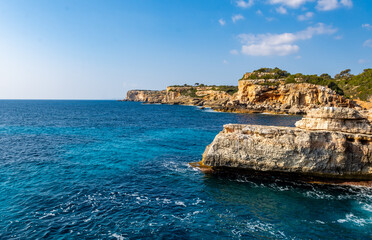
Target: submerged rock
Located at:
point(329, 142)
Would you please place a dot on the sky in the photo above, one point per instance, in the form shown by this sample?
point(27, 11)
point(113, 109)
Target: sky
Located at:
point(90, 49)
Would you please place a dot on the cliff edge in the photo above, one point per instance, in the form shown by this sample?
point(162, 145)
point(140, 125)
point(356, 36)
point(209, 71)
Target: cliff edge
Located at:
point(257, 92)
point(328, 143)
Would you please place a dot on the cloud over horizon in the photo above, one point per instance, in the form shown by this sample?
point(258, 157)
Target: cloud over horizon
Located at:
point(280, 44)
point(328, 5)
point(237, 17)
point(290, 3)
point(321, 5)
point(244, 4)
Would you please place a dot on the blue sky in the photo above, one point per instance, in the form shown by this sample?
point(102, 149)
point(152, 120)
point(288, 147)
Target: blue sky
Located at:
point(90, 49)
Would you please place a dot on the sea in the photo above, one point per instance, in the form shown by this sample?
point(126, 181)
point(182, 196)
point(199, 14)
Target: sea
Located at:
point(120, 170)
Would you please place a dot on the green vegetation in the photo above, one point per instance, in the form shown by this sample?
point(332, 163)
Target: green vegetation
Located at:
point(356, 86)
point(190, 90)
point(344, 83)
point(277, 72)
point(228, 89)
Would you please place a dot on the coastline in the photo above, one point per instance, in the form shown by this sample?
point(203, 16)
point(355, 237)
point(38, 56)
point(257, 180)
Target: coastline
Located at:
point(229, 172)
point(329, 145)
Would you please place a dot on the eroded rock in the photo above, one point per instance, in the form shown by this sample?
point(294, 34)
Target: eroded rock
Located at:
point(318, 147)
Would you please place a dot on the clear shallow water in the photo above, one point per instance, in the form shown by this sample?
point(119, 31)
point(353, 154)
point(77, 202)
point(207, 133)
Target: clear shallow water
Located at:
point(117, 170)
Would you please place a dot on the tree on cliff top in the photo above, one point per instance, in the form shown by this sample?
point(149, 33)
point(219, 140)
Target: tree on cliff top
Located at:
point(277, 72)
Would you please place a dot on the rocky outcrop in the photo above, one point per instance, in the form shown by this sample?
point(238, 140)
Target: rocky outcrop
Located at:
point(336, 119)
point(146, 96)
point(251, 96)
point(277, 97)
point(208, 96)
point(320, 145)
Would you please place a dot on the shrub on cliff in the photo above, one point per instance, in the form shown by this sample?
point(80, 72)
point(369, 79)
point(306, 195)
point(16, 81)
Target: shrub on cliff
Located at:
point(344, 83)
point(191, 92)
point(356, 86)
point(228, 89)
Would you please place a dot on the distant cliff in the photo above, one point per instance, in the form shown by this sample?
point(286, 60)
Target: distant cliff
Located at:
point(208, 96)
point(146, 96)
point(269, 94)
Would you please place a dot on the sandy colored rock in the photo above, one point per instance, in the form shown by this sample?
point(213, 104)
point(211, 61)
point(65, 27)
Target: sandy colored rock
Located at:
point(336, 153)
point(253, 96)
point(336, 119)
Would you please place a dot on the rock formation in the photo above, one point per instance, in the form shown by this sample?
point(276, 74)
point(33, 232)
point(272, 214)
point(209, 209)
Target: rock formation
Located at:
point(328, 142)
point(251, 96)
point(148, 96)
point(209, 96)
point(294, 98)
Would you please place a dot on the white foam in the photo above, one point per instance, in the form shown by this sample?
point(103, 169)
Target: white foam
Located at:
point(118, 236)
point(180, 203)
point(350, 217)
point(367, 207)
point(47, 215)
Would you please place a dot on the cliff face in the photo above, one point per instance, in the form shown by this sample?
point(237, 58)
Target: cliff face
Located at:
point(321, 146)
point(278, 97)
point(200, 96)
point(259, 95)
point(145, 96)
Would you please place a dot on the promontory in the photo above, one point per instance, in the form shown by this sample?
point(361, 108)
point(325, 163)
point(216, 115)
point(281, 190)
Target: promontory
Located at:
point(270, 90)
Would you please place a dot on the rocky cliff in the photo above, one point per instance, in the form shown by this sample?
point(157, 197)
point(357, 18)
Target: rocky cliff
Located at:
point(328, 142)
point(251, 96)
point(146, 96)
point(208, 96)
point(276, 96)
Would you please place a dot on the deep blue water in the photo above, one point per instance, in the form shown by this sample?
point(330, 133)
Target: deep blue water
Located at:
point(117, 170)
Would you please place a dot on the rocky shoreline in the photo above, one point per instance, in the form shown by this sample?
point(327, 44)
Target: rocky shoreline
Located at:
point(250, 96)
point(333, 144)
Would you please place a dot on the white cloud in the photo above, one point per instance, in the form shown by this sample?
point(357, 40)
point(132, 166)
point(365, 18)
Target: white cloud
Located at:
point(367, 26)
point(368, 43)
point(244, 4)
point(280, 44)
point(347, 3)
point(339, 37)
point(237, 17)
point(322, 5)
point(225, 62)
point(281, 10)
point(327, 5)
point(234, 52)
point(361, 61)
point(222, 22)
point(305, 16)
point(259, 12)
point(290, 3)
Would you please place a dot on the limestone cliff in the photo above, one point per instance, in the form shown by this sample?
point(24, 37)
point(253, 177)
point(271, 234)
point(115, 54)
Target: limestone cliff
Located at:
point(252, 95)
point(275, 96)
point(209, 96)
point(320, 145)
point(145, 96)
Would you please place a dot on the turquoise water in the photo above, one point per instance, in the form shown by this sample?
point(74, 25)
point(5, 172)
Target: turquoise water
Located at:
point(119, 170)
